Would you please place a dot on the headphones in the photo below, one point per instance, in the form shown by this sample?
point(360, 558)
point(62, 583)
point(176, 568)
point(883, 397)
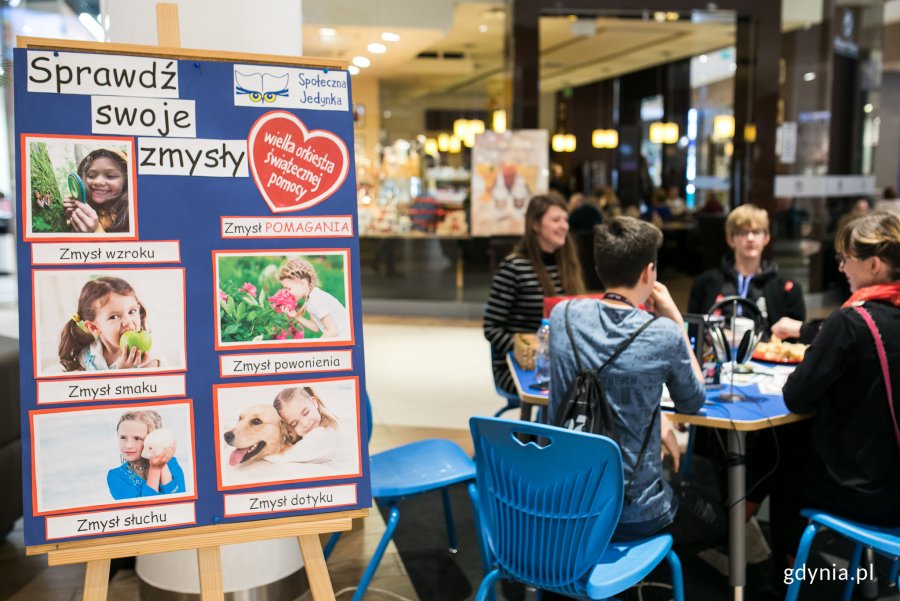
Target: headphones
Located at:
point(719, 338)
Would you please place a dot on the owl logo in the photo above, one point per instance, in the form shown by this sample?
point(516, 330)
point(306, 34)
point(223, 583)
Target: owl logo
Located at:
point(261, 87)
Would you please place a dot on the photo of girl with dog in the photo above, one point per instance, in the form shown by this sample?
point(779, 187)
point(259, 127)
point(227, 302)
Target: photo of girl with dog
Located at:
point(287, 432)
point(78, 188)
point(112, 321)
point(81, 460)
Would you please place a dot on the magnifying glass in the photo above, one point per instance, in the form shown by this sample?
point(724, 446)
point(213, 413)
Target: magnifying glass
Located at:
point(76, 187)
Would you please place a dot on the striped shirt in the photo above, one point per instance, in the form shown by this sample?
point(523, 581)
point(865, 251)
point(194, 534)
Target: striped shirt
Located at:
point(515, 304)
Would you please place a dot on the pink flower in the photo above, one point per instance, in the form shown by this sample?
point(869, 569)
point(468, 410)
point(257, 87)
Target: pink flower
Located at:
point(223, 297)
point(249, 289)
point(292, 333)
point(283, 300)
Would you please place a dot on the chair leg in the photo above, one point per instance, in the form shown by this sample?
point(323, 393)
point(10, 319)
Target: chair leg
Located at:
point(331, 544)
point(677, 576)
point(688, 454)
point(448, 520)
point(487, 586)
point(482, 544)
point(851, 571)
point(800, 562)
point(379, 553)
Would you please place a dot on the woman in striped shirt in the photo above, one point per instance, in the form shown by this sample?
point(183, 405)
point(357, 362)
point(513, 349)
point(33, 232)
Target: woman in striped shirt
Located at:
point(543, 263)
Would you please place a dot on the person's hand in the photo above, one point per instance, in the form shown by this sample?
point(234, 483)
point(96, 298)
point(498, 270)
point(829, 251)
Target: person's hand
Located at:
point(661, 303)
point(132, 356)
point(787, 328)
point(669, 443)
point(163, 458)
point(81, 216)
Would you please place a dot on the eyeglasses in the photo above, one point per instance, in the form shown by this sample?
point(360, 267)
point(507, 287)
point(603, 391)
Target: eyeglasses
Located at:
point(747, 233)
point(841, 259)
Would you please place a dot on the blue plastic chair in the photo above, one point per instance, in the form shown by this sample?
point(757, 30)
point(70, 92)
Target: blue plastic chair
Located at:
point(406, 471)
point(512, 401)
point(882, 540)
point(547, 513)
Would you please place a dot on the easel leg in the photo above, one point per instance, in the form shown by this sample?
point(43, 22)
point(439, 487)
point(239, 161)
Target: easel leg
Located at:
point(96, 580)
point(316, 570)
point(210, 563)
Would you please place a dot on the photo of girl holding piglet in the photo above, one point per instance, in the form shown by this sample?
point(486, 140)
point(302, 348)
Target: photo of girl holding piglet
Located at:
point(278, 299)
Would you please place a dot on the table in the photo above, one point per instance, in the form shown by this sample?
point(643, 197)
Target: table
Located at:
point(757, 412)
point(530, 397)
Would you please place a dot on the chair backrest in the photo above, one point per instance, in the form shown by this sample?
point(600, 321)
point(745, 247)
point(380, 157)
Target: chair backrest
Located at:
point(548, 511)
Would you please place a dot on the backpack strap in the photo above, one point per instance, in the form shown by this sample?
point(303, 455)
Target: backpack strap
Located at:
point(644, 444)
point(626, 343)
point(885, 370)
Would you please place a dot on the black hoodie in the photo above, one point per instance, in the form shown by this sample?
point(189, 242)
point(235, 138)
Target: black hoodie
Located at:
point(775, 296)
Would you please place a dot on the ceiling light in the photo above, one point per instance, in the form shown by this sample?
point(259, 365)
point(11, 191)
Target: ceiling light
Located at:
point(482, 28)
point(327, 32)
point(868, 108)
point(431, 147)
point(498, 121)
point(387, 36)
point(353, 70)
point(604, 138)
point(386, 114)
point(659, 17)
point(375, 48)
point(443, 142)
point(558, 142)
point(455, 145)
point(809, 76)
point(702, 58)
point(723, 127)
point(663, 133)
point(361, 62)
point(671, 16)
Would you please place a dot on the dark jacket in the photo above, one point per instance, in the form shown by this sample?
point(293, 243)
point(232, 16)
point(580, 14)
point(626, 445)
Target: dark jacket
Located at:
point(855, 456)
point(775, 296)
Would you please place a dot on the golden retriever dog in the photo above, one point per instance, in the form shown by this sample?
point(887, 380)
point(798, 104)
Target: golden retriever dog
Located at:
point(260, 431)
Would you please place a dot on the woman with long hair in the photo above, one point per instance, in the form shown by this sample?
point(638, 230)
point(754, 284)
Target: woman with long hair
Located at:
point(544, 263)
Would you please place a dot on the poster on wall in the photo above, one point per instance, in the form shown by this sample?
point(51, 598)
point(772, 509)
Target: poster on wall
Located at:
point(190, 332)
point(507, 170)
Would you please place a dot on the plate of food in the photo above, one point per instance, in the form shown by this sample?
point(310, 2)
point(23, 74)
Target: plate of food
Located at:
point(779, 351)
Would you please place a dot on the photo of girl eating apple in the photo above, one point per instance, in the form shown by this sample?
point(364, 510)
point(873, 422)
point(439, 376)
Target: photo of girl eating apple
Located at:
point(109, 328)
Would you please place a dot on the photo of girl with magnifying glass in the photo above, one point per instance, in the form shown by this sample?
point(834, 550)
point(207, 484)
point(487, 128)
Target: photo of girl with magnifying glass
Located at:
point(79, 188)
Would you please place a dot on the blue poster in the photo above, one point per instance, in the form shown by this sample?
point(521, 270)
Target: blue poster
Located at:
point(189, 295)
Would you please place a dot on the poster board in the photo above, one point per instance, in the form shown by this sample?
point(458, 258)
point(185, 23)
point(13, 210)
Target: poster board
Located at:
point(507, 170)
point(227, 249)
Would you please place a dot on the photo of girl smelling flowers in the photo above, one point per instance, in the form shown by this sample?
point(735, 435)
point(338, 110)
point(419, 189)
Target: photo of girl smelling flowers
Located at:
point(282, 298)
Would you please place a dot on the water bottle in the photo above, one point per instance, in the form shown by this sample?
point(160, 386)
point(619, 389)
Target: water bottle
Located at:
point(542, 356)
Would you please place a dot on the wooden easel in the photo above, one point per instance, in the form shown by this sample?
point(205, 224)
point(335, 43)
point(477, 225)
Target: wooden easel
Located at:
point(97, 553)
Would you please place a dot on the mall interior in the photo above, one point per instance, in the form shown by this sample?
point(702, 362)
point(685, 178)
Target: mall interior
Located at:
point(781, 103)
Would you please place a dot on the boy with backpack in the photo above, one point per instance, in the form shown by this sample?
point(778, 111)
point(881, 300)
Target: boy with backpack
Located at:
point(585, 334)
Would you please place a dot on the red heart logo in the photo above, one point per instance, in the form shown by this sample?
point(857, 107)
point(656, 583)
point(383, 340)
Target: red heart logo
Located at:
point(295, 168)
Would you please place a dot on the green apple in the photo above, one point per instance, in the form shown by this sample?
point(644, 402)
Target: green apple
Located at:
point(139, 339)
